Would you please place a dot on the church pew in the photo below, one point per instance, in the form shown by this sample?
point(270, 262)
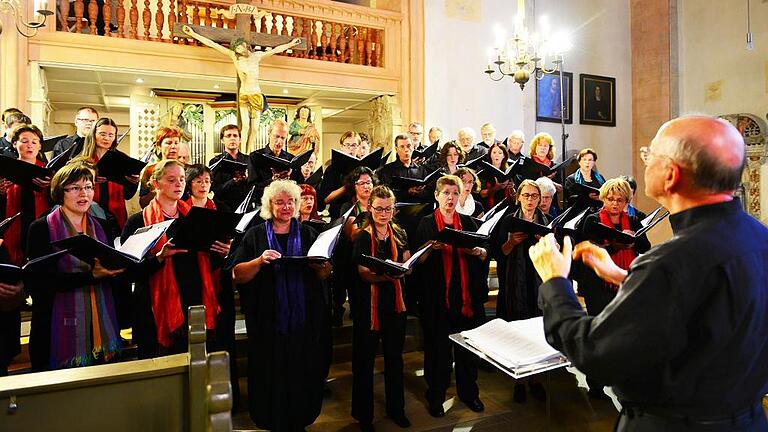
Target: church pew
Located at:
point(182, 392)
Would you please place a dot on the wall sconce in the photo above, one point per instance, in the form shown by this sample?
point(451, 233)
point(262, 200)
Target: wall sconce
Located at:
point(14, 9)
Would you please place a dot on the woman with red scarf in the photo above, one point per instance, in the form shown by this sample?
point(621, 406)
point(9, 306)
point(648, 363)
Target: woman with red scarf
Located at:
point(74, 321)
point(380, 312)
point(168, 144)
point(109, 195)
point(493, 190)
point(31, 200)
point(169, 280)
point(287, 319)
point(543, 153)
point(615, 195)
point(455, 288)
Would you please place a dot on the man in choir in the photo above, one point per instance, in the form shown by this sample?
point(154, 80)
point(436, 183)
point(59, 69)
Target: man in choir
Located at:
point(333, 191)
point(365, 146)
point(416, 133)
point(287, 318)
point(435, 135)
point(304, 175)
point(230, 189)
point(466, 138)
point(487, 135)
point(184, 155)
point(262, 177)
point(403, 166)
point(515, 142)
point(11, 121)
point(684, 344)
point(84, 119)
point(454, 289)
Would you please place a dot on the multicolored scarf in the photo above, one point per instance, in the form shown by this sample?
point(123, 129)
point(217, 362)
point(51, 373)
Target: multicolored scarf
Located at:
point(447, 255)
point(83, 321)
point(623, 257)
point(289, 283)
point(399, 303)
point(166, 302)
point(14, 204)
point(113, 200)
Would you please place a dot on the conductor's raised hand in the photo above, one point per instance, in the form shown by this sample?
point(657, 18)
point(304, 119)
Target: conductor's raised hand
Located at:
point(600, 262)
point(268, 256)
point(101, 272)
point(549, 261)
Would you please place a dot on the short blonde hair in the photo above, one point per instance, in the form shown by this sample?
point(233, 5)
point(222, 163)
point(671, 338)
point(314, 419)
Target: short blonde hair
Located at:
point(527, 182)
point(276, 187)
point(449, 180)
point(543, 138)
point(617, 186)
point(160, 167)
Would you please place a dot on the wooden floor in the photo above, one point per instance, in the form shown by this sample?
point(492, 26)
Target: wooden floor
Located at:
point(571, 408)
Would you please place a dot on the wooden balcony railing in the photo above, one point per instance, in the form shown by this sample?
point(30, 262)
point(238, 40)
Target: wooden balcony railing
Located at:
point(154, 20)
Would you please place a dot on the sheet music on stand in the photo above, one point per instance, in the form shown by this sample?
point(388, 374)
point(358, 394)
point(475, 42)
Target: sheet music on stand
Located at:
point(517, 348)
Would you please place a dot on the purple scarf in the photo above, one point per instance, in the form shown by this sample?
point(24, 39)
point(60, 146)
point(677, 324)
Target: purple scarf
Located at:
point(289, 283)
point(83, 320)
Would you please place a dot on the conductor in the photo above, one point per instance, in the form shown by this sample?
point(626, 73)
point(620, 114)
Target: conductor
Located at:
point(684, 343)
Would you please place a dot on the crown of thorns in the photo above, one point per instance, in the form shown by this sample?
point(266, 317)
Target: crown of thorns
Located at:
point(237, 41)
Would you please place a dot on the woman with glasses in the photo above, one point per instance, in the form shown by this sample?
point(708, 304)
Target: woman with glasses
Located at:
point(380, 312)
point(111, 196)
point(615, 195)
point(333, 192)
point(586, 175)
point(169, 279)
point(517, 299)
point(74, 322)
point(288, 331)
point(29, 199)
point(454, 289)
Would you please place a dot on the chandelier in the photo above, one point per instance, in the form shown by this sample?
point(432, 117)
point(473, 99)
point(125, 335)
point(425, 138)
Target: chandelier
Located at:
point(525, 55)
point(14, 9)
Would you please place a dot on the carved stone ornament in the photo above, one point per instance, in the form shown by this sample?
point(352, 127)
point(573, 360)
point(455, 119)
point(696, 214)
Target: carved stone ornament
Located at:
point(753, 129)
point(380, 122)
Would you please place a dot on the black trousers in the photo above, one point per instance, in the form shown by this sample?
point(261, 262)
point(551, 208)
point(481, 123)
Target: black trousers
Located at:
point(439, 354)
point(753, 420)
point(364, 345)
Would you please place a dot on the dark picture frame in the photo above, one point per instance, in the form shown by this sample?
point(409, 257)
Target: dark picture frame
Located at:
point(548, 97)
point(598, 100)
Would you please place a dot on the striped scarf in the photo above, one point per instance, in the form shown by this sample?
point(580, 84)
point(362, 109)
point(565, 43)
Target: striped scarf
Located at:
point(83, 324)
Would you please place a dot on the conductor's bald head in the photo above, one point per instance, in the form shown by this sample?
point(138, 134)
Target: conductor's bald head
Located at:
point(709, 152)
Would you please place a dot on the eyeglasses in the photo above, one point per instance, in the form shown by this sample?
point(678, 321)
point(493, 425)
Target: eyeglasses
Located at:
point(530, 196)
point(79, 189)
point(352, 145)
point(281, 203)
point(106, 135)
point(649, 155)
point(382, 209)
point(612, 200)
point(364, 183)
point(86, 120)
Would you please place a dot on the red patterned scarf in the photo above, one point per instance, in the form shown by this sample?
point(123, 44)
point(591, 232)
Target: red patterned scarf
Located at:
point(399, 303)
point(447, 255)
point(12, 239)
point(166, 302)
point(544, 161)
point(623, 257)
point(114, 201)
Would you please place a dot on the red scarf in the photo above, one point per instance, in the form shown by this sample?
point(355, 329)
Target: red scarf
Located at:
point(215, 274)
point(115, 199)
point(490, 198)
point(545, 161)
point(623, 257)
point(12, 239)
point(447, 254)
point(166, 302)
point(399, 303)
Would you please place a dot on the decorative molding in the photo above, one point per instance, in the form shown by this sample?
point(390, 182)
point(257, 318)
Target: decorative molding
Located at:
point(380, 122)
point(753, 130)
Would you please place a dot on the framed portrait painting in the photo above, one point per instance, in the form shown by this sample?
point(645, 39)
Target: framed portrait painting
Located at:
point(548, 105)
point(598, 100)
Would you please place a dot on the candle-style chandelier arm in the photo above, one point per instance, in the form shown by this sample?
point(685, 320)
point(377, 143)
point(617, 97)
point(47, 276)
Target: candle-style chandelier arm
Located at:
point(14, 9)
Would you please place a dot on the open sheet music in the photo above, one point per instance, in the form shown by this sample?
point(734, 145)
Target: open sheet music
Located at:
point(512, 344)
point(387, 266)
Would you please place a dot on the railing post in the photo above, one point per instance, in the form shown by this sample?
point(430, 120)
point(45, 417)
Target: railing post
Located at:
point(64, 8)
point(93, 15)
point(134, 15)
point(146, 19)
point(171, 19)
point(120, 19)
point(106, 12)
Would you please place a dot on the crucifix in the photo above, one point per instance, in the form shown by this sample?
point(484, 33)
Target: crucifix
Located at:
point(250, 100)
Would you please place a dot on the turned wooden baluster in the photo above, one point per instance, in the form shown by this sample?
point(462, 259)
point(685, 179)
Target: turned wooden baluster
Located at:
point(353, 45)
point(307, 37)
point(323, 40)
point(106, 11)
point(343, 44)
point(120, 19)
point(294, 35)
point(159, 20)
point(262, 24)
point(171, 20)
point(361, 46)
point(146, 19)
point(134, 15)
point(93, 15)
point(332, 43)
point(284, 30)
point(195, 14)
point(313, 38)
point(64, 8)
point(207, 10)
point(274, 30)
point(79, 10)
point(369, 48)
point(219, 18)
point(377, 54)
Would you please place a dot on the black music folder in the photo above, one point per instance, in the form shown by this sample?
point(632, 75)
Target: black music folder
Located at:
point(425, 153)
point(115, 166)
point(11, 274)
point(406, 209)
point(344, 163)
point(228, 166)
point(201, 227)
point(501, 176)
point(532, 170)
point(315, 178)
point(322, 249)
point(6, 223)
point(462, 239)
point(596, 231)
point(317, 224)
point(20, 172)
point(59, 161)
point(268, 161)
point(50, 142)
point(473, 164)
point(407, 183)
point(389, 267)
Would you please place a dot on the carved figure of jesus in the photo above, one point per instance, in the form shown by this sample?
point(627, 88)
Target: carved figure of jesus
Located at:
point(251, 101)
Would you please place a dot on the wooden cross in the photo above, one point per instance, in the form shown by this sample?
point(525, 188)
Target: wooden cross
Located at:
point(244, 11)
